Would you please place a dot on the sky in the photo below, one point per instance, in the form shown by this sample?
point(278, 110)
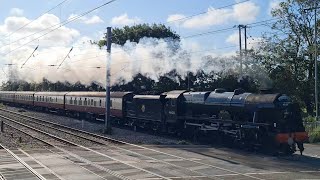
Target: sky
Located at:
point(86, 62)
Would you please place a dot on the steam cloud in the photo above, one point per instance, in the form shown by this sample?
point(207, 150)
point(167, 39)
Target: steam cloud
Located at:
point(86, 63)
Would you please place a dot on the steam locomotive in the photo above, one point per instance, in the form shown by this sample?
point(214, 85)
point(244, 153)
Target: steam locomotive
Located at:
point(269, 121)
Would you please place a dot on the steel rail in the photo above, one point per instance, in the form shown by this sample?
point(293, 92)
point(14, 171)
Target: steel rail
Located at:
point(134, 145)
point(39, 176)
point(39, 131)
point(62, 149)
point(164, 162)
point(83, 147)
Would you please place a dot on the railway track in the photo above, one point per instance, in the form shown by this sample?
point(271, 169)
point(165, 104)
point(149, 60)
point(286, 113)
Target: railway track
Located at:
point(23, 170)
point(122, 153)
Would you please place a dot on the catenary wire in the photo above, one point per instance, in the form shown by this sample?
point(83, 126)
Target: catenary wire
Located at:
point(27, 24)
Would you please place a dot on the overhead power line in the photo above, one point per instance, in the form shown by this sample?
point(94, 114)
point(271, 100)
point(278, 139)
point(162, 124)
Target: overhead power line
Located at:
point(205, 12)
point(36, 18)
point(60, 25)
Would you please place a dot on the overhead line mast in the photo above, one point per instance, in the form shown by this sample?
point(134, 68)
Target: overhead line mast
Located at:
point(65, 58)
point(32, 54)
point(240, 46)
point(107, 125)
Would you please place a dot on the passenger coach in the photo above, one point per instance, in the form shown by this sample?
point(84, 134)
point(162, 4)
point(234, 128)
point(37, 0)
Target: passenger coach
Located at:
point(7, 96)
point(52, 101)
point(92, 104)
point(24, 97)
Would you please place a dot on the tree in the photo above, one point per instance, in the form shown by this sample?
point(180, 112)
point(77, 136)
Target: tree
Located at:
point(288, 54)
point(137, 32)
point(168, 82)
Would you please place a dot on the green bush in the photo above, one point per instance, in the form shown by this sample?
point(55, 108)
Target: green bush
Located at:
point(309, 119)
point(314, 135)
point(2, 105)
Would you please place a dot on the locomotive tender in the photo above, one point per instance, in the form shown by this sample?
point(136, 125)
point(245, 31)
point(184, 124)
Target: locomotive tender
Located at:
point(269, 121)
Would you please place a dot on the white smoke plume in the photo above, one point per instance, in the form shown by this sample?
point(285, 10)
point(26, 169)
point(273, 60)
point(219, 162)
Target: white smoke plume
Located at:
point(87, 62)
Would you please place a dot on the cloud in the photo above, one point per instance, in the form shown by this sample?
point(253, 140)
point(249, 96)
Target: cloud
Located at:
point(16, 12)
point(273, 4)
point(60, 36)
point(245, 12)
point(175, 17)
point(123, 20)
point(94, 20)
point(86, 20)
point(242, 13)
point(233, 39)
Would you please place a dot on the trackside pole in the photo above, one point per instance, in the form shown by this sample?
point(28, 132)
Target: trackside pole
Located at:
point(107, 124)
point(1, 126)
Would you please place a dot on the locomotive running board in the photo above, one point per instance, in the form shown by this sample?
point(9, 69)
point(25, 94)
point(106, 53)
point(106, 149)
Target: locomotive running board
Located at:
point(202, 127)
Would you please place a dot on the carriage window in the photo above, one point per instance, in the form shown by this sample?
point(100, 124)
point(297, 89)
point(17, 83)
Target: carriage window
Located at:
point(71, 100)
point(95, 103)
point(37, 98)
point(91, 102)
point(80, 102)
point(100, 102)
point(75, 101)
point(50, 99)
point(85, 101)
point(56, 99)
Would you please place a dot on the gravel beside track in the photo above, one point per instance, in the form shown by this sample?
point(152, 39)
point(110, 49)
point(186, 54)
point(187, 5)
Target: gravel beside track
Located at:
point(96, 127)
point(10, 138)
